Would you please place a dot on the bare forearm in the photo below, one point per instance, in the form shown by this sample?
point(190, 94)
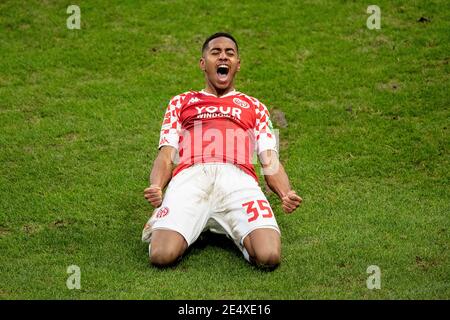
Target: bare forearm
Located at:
point(278, 182)
point(162, 169)
point(274, 173)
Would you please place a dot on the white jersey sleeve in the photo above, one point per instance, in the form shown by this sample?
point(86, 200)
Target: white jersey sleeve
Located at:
point(171, 126)
point(265, 137)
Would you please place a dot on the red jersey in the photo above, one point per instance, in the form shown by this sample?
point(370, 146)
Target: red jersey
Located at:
point(205, 129)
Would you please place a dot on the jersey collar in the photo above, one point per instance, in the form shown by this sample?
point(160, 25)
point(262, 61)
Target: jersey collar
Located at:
point(232, 92)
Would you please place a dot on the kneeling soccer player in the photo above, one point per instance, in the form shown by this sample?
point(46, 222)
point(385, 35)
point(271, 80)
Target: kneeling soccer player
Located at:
point(214, 133)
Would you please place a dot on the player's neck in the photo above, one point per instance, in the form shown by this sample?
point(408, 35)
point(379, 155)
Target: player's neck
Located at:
point(218, 92)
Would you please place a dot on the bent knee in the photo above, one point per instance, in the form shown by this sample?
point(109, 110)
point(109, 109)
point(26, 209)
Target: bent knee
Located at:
point(166, 247)
point(267, 258)
point(164, 256)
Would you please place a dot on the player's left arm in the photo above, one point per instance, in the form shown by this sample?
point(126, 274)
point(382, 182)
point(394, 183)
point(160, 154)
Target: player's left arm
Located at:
point(273, 170)
point(278, 181)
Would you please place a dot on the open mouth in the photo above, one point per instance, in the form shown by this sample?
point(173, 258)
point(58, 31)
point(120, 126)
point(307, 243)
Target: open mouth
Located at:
point(222, 71)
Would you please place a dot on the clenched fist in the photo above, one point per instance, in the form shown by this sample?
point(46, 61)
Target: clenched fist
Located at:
point(291, 201)
point(153, 194)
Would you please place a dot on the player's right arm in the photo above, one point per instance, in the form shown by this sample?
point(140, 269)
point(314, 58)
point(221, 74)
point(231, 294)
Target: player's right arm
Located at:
point(168, 146)
point(160, 175)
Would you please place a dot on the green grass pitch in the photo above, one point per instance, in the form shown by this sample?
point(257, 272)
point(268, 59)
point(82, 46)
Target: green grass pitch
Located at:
point(366, 145)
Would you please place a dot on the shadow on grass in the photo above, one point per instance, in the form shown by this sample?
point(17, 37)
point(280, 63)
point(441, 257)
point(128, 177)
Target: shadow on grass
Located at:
point(206, 240)
point(210, 239)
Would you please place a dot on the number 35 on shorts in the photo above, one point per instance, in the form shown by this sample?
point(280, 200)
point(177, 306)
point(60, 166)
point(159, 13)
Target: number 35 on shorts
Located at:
point(255, 208)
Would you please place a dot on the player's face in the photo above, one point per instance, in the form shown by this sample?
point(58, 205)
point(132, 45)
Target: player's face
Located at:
point(220, 62)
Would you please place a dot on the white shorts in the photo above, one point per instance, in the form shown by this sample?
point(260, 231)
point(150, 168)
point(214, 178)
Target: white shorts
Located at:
point(218, 197)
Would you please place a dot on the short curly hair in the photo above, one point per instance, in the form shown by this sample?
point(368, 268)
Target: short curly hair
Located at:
point(218, 35)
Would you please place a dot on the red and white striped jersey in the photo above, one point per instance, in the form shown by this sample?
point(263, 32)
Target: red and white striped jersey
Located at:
point(205, 128)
